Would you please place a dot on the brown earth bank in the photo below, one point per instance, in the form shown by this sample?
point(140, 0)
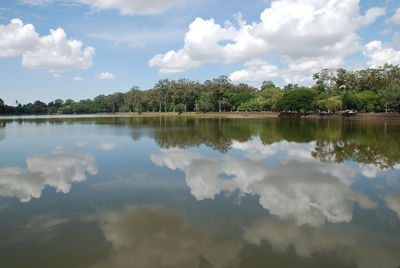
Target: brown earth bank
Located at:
point(394, 117)
point(339, 115)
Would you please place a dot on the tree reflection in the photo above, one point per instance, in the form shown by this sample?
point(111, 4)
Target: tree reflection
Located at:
point(373, 143)
point(335, 141)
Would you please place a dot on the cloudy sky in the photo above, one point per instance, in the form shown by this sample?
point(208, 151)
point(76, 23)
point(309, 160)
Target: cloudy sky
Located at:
point(82, 48)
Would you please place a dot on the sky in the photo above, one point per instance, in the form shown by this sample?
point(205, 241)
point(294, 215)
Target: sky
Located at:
point(78, 49)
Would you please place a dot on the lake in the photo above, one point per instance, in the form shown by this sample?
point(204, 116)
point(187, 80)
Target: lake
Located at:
point(190, 192)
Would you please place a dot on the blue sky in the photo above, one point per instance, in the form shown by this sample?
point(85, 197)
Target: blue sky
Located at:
point(121, 43)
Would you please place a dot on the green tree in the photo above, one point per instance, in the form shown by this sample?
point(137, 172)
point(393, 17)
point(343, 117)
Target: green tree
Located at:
point(180, 108)
point(330, 104)
point(365, 100)
point(134, 100)
point(300, 100)
point(205, 102)
point(218, 87)
point(2, 107)
point(390, 97)
point(163, 88)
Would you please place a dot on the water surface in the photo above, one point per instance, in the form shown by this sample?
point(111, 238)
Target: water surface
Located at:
point(186, 192)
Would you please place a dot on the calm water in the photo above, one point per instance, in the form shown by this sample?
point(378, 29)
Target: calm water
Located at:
point(178, 192)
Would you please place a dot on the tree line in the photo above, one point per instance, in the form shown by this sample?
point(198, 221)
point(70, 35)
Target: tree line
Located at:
point(374, 89)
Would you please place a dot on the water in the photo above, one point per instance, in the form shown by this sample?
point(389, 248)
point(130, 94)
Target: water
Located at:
point(182, 192)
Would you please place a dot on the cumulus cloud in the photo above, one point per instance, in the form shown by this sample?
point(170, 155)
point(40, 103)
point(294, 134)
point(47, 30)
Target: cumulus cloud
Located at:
point(359, 247)
point(256, 70)
point(298, 71)
point(305, 190)
point(56, 53)
point(396, 17)
point(152, 236)
point(305, 34)
point(58, 170)
point(53, 52)
point(105, 75)
point(379, 54)
point(16, 38)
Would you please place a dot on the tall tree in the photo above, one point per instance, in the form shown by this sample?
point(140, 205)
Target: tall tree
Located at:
point(2, 106)
point(163, 87)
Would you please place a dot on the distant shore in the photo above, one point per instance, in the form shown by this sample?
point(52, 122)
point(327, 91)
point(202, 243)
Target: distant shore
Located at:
point(357, 116)
point(337, 116)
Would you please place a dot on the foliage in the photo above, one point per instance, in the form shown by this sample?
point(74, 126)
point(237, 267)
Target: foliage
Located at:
point(374, 89)
point(361, 101)
point(2, 107)
point(299, 100)
point(330, 104)
point(390, 97)
point(180, 108)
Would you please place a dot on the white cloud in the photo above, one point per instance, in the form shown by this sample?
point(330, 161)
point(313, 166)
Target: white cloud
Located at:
point(173, 62)
point(105, 75)
point(133, 7)
point(379, 54)
point(54, 52)
point(305, 190)
point(372, 14)
point(151, 236)
point(58, 170)
point(79, 78)
point(303, 33)
point(257, 70)
point(57, 75)
point(16, 38)
point(396, 17)
point(125, 7)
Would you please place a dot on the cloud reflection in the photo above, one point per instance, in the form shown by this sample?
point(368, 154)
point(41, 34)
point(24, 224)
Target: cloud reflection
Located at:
point(107, 146)
point(306, 190)
point(58, 170)
point(256, 150)
point(393, 202)
point(363, 248)
point(149, 236)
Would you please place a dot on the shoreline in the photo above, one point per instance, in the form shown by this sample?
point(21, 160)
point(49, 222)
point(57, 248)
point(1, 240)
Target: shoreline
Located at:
point(336, 116)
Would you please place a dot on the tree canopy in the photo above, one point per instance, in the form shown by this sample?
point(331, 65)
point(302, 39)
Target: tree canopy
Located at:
point(374, 89)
